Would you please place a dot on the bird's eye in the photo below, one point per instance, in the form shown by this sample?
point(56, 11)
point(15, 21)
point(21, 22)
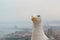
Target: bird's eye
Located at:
point(38, 15)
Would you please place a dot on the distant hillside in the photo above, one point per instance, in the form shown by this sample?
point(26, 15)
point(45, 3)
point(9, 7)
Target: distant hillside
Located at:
point(54, 22)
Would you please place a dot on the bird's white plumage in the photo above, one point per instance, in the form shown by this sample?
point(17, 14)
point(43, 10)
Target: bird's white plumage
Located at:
point(37, 31)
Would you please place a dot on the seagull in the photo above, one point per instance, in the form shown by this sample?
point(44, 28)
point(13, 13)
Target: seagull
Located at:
point(37, 30)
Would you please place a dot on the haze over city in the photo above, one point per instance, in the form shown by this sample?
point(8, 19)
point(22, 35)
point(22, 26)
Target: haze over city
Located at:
point(15, 18)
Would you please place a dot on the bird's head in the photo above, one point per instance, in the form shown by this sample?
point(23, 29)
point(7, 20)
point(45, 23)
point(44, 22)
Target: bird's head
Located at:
point(36, 19)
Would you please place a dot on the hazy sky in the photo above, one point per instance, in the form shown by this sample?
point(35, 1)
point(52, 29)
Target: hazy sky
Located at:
point(16, 10)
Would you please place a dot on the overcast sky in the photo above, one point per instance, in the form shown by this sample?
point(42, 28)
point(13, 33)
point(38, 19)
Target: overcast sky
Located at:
point(16, 10)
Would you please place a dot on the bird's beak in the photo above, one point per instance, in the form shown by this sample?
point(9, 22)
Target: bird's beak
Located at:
point(33, 18)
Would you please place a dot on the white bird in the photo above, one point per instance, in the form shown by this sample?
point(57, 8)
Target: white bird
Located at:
point(37, 30)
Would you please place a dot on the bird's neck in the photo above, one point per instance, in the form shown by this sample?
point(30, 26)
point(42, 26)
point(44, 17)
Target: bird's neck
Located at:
point(38, 33)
